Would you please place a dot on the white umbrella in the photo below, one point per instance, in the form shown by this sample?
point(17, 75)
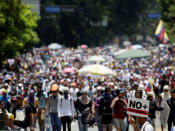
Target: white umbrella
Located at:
point(96, 59)
point(137, 47)
point(96, 69)
point(54, 46)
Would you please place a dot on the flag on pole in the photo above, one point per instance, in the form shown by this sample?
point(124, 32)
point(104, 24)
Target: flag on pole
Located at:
point(149, 86)
point(160, 33)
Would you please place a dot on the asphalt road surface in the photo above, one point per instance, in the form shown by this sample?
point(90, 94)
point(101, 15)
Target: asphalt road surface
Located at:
point(75, 126)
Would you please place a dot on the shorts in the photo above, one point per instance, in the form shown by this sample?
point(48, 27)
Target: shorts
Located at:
point(107, 119)
point(118, 123)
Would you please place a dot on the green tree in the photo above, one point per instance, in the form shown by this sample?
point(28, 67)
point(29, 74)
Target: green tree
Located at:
point(17, 24)
point(84, 25)
point(167, 8)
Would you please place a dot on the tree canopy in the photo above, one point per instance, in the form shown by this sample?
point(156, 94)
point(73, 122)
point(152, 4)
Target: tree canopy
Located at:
point(167, 8)
point(86, 23)
point(17, 24)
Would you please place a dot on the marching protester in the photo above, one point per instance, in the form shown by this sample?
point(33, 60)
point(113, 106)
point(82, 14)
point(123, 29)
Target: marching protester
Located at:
point(4, 97)
point(32, 101)
point(153, 108)
point(74, 90)
point(119, 105)
point(66, 109)
point(84, 111)
point(97, 104)
point(146, 126)
point(164, 113)
point(42, 108)
point(11, 125)
point(25, 92)
point(105, 110)
point(24, 117)
point(166, 93)
point(53, 108)
point(171, 103)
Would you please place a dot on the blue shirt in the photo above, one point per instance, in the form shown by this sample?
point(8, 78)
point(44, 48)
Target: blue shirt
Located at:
point(5, 100)
point(42, 101)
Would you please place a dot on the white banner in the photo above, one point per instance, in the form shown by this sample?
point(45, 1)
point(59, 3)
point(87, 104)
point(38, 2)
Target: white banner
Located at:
point(138, 107)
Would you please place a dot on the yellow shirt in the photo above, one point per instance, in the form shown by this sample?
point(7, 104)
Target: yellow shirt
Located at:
point(35, 103)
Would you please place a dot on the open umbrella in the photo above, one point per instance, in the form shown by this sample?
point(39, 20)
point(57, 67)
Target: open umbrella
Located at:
point(137, 47)
point(84, 46)
point(96, 69)
point(96, 59)
point(55, 46)
point(68, 70)
point(133, 53)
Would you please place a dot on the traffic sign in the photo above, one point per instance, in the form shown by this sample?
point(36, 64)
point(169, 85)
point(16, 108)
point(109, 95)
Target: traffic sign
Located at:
point(138, 107)
point(53, 9)
point(67, 9)
point(154, 15)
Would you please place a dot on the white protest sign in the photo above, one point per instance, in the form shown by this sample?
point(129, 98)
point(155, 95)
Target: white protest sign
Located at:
point(138, 107)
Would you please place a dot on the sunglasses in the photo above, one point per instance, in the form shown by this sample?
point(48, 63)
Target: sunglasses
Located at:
point(54, 91)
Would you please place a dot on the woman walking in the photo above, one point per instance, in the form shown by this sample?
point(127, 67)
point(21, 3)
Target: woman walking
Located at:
point(66, 109)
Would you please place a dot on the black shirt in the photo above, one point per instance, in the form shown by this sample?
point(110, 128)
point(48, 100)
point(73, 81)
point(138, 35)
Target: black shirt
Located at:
point(22, 116)
point(81, 107)
point(171, 103)
point(152, 109)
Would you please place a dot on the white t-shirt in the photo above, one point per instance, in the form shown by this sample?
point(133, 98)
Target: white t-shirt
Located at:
point(91, 92)
point(147, 127)
point(73, 92)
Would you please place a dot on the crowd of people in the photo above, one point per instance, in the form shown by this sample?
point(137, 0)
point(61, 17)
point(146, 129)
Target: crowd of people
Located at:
point(35, 89)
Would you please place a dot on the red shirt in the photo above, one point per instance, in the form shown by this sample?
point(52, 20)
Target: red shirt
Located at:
point(119, 110)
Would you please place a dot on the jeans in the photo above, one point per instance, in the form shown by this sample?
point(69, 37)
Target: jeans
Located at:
point(56, 123)
point(82, 127)
point(98, 119)
point(125, 123)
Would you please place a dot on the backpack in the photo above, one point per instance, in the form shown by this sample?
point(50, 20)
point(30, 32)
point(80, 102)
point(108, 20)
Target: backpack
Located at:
point(105, 108)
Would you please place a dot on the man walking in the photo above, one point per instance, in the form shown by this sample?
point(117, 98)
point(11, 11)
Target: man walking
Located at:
point(171, 103)
point(52, 108)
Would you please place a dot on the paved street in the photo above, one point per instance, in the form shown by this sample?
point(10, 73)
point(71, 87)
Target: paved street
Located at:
point(75, 126)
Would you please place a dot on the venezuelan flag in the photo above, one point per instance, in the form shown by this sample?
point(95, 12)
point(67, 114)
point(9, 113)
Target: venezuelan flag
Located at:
point(160, 32)
point(165, 38)
point(149, 87)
